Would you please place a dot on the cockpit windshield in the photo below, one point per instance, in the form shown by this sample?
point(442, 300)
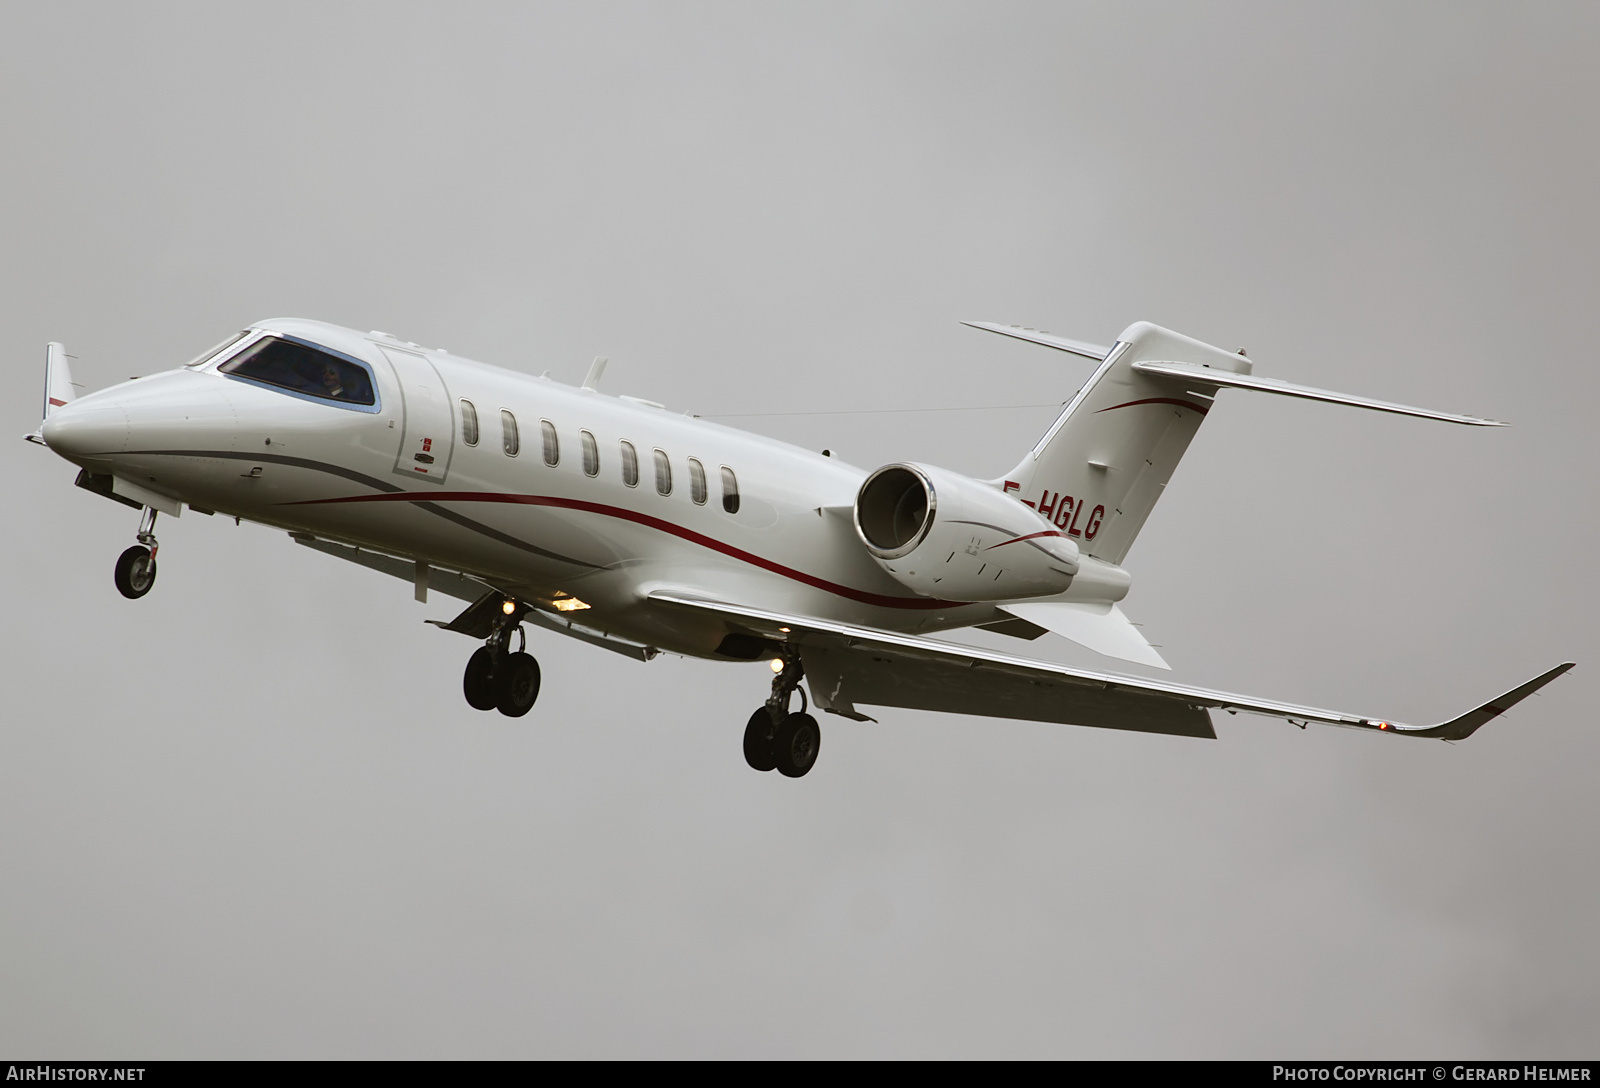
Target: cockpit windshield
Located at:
point(300, 368)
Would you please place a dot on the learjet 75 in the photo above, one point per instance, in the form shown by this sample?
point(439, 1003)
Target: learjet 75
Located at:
point(611, 520)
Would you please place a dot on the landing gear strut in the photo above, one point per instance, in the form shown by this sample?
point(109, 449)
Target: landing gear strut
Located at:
point(136, 567)
point(777, 740)
point(498, 680)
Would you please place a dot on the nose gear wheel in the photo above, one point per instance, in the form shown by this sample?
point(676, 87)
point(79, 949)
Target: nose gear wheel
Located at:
point(136, 572)
point(136, 567)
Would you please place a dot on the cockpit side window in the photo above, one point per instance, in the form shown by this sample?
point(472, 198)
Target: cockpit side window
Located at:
point(213, 352)
point(304, 370)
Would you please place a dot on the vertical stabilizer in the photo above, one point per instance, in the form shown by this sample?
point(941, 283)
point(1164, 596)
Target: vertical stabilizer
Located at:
point(1099, 469)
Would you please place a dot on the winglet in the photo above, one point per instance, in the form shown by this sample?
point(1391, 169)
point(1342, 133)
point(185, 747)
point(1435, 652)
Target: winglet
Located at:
point(1464, 726)
point(59, 388)
point(58, 384)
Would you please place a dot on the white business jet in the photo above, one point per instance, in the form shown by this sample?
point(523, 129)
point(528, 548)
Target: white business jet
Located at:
point(611, 520)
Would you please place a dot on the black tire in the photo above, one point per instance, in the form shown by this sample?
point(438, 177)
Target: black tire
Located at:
point(478, 683)
point(136, 572)
point(758, 741)
point(517, 684)
point(795, 745)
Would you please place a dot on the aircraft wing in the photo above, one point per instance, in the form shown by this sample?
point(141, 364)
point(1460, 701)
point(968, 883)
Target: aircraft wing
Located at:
point(846, 664)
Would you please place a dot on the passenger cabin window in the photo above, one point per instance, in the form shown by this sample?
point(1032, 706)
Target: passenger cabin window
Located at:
point(630, 465)
point(591, 454)
point(552, 443)
point(469, 423)
point(697, 482)
point(730, 491)
point(663, 474)
point(304, 370)
point(508, 433)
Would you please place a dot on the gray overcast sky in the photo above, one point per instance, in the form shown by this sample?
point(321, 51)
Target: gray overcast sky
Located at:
point(250, 815)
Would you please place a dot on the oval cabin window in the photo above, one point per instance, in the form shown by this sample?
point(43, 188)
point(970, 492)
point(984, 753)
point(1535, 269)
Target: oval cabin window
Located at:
point(630, 465)
point(591, 454)
point(469, 423)
point(508, 433)
point(663, 474)
point(730, 491)
point(697, 482)
point(552, 443)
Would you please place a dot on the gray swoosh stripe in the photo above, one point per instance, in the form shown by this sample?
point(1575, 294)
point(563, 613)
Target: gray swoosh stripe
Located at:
point(378, 485)
point(495, 534)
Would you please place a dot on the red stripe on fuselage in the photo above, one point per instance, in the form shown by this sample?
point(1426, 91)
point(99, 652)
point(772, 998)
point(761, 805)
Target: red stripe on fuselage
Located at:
point(1191, 405)
point(878, 599)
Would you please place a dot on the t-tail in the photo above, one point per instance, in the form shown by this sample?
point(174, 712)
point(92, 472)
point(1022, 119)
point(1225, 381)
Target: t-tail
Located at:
point(1098, 471)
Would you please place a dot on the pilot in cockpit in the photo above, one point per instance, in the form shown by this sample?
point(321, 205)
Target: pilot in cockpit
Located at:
point(332, 386)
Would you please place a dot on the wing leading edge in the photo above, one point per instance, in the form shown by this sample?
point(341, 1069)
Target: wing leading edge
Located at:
point(847, 664)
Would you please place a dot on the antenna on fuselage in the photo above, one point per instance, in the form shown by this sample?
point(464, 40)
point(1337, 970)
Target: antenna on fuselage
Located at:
point(596, 368)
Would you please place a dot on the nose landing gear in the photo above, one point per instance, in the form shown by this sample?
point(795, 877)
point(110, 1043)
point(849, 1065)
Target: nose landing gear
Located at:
point(498, 680)
point(775, 739)
point(136, 567)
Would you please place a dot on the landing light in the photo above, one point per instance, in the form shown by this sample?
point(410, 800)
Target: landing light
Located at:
point(508, 607)
point(571, 604)
point(777, 664)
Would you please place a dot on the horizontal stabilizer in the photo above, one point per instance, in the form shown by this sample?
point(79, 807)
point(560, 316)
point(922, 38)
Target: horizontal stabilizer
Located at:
point(1049, 340)
point(1099, 625)
point(1205, 375)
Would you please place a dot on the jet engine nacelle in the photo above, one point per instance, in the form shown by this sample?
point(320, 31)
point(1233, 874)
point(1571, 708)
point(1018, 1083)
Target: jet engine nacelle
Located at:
point(946, 535)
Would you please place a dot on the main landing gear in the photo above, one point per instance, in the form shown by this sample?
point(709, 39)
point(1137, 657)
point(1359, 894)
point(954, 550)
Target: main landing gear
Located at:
point(498, 680)
point(136, 567)
point(777, 740)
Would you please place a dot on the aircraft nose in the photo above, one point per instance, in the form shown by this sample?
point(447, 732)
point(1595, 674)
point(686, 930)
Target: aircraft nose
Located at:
point(93, 426)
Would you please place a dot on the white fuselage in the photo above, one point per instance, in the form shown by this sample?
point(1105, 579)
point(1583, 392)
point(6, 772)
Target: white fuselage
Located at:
point(537, 530)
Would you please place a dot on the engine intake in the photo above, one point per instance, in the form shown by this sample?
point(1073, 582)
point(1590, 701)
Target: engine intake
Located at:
point(946, 535)
point(895, 510)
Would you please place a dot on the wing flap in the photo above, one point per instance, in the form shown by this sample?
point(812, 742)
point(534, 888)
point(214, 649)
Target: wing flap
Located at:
point(841, 678)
